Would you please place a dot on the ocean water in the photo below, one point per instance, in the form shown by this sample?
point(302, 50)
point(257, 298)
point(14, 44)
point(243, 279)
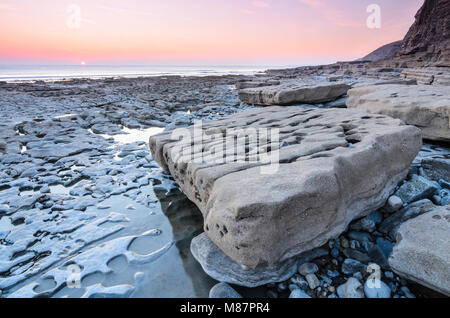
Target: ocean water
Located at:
point(55, 72)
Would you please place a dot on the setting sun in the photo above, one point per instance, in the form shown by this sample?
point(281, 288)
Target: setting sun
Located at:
point(83, 63)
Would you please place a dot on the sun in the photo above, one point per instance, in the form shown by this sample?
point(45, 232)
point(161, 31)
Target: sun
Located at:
point(83, 63)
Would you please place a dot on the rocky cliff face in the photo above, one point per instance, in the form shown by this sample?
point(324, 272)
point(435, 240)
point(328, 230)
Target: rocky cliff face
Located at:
point(428, 39)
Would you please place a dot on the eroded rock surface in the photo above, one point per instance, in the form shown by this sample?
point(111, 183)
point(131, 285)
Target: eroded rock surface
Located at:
point(427, 107)
point(422, 253)
point(335, 166)
point(293, 92)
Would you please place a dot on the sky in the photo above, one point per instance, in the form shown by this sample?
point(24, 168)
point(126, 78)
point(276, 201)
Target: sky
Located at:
point(197, 32)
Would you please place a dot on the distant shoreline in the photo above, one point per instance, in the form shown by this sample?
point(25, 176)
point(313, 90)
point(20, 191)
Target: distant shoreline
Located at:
point(63, 73)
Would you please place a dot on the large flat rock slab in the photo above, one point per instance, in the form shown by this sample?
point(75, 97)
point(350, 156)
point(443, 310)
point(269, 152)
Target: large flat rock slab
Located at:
point(334, 165)
point(422, 253)
point(425, 106)
point(289, 93)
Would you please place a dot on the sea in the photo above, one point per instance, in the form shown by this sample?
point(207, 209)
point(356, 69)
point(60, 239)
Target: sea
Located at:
point(10, 73)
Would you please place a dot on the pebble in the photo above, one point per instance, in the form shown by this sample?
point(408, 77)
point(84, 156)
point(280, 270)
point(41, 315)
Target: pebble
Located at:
point(394, 204)
point(407, 292)
point(313, 281)
point(298, 293)
point(299, 281)
point(389, 275)
point(344, 243)
point(351, 289)
point(357, 255)
point(334, 252)
point(351, 266)
point(360, 236)
point(308, 268)
point(282, 287)
point(417, 189)
point(223, 290)
point(333, 274)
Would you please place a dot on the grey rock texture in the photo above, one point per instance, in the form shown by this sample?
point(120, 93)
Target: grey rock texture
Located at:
point(422, 253)
point(429, 36)
point(428, 75)
point(335, 166)
point(293, 92)
point(222, 268)
point(258, 82)
point(416, 189)
point(437, 168)
point(424, 106)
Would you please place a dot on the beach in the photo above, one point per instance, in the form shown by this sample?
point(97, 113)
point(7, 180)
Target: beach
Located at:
point(78, 186)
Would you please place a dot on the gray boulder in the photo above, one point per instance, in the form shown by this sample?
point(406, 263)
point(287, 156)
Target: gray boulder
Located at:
point(222, 268)
point(289, 93)
point(417, 188)
point(427, 107)
point(422, 253)
point(334, 166)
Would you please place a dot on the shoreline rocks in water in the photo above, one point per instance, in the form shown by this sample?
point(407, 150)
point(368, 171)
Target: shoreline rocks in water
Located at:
point(222, 268)
point(316, 192)
point(293, 92)
point(427, 107)
point(422, 253)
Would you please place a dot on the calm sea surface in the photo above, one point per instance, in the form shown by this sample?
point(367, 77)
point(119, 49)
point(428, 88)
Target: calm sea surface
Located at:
point(54, 72)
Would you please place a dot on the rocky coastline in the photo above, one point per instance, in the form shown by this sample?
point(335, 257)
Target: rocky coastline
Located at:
point(359, 206)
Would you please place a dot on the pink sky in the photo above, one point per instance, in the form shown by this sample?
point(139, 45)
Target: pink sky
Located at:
point(275, 32)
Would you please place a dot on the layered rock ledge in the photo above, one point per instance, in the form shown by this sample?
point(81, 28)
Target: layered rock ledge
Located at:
point(424, 106)
point(334, 166)
point(422, 253)
point(292, 92)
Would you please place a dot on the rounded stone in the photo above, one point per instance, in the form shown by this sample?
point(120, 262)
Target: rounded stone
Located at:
point(223, 290)
point(298, 293)
point(394, 204)
point(308, 268)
